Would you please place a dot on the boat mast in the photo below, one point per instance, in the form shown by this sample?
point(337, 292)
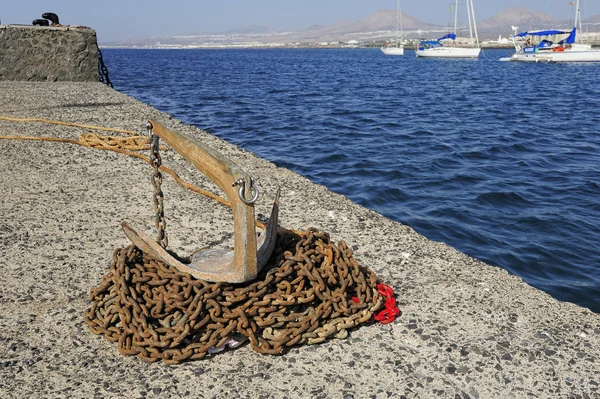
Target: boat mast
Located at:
point(455, 16)
point(578, 24)
point(577, 15)
point(469, 16)
point(474, 22)
point(397, 22)
point(401, 27)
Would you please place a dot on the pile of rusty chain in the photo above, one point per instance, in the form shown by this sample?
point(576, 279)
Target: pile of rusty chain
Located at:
point(311, 290)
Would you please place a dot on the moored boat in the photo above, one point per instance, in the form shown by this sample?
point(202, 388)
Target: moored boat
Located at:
point(395, 48)
point(530, 45)
point(446, 46)
point(399, 50)
point(553, 45)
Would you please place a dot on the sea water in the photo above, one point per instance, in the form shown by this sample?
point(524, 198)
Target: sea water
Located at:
point(499, 160)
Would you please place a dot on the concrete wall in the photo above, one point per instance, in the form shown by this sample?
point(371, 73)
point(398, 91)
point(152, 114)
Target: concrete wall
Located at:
point(35, 53)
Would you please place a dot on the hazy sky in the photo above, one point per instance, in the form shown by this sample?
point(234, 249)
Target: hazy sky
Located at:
point(115, 20)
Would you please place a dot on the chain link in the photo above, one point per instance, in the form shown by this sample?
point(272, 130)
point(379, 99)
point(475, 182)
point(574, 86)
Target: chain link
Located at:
point(158, 199)
point(103, 70)
point(312, 290)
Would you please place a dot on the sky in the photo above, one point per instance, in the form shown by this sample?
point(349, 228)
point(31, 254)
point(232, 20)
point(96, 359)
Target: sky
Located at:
point(129, 19)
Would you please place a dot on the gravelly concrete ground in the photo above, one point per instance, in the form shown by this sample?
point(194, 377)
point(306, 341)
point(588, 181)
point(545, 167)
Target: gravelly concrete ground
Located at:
point(467, 329)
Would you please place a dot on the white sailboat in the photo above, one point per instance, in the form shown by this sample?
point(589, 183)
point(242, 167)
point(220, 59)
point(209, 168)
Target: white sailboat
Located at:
point(445, 47)
point(396, 48)
point(572, 52)
point(553, 45)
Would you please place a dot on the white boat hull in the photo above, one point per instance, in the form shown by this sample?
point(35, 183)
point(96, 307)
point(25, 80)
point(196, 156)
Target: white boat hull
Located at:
point(449, 52)
point(585, 55)
point(524, 57)
point(392, 50)
point(570, 56)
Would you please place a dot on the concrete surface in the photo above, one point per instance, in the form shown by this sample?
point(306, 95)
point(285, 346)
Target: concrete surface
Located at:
point(467, 330)
point(48, 53)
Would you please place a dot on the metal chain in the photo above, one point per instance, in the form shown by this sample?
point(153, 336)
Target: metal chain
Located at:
point(103, 70)
point(158, 199)
point(312, 291)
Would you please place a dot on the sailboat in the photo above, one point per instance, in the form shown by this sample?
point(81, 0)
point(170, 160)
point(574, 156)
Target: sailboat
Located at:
point(533, 46)
point(545, 46)
point(445, 46)
point(397, 48)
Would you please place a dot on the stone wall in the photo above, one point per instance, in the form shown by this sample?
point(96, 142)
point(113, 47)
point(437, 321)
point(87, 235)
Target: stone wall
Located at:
point(35, 53)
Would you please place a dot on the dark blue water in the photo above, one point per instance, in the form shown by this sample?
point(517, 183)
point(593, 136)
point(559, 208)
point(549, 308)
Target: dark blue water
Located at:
point(499, 160)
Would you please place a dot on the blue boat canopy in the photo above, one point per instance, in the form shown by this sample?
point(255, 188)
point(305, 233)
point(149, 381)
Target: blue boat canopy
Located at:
point(571, 38)
point(543, 33)
point(451, 36)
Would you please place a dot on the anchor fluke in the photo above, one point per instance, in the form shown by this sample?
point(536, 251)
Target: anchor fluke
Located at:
point(250, 254)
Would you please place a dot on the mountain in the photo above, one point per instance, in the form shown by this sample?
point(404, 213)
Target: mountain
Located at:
point(382, 20)
point(248, 29)
point(594, 19)
point(516, 16)
point(315, 27)
point(376, 27)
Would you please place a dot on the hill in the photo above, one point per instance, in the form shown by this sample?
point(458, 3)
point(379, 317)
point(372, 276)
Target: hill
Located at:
point(378, 26)
point(248, 29)
point(521, 17)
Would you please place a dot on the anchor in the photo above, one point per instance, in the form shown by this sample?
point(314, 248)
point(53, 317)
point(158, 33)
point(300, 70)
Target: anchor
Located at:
point(249, 255)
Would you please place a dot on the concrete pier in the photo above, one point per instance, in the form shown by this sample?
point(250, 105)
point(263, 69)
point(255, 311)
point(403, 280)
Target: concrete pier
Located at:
point(467, 329)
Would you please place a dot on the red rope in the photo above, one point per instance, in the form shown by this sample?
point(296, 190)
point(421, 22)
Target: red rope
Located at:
point(391, 310)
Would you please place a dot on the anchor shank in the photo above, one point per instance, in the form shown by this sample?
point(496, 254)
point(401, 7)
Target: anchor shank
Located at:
point(224, 173)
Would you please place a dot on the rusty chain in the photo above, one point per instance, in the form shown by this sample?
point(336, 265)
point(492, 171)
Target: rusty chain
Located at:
point(158, 198)
point(311, 290)
point(103, 70)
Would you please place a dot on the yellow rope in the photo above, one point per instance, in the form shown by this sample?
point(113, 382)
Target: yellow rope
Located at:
point(133, 143)
point(93, 140)
point(122, 145)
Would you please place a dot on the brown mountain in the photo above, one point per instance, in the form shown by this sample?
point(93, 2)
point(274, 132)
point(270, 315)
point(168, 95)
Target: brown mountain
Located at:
point(377, 26)
point(594, 19)
point(383, 20)
point(516, 16)
point(248, 29)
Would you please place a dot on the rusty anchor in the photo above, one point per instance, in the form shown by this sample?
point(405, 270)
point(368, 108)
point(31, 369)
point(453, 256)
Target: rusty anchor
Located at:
point(250, 254)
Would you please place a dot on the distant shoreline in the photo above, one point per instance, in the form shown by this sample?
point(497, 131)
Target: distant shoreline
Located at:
point(276, 47)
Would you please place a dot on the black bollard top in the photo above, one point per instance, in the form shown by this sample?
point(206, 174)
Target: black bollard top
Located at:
point(40, 22)
point(51, 16)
